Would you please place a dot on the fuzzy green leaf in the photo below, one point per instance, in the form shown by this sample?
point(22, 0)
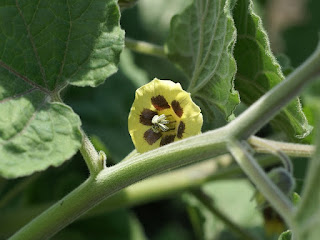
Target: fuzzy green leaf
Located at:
point(44, 46)
point(258, 70)
point(35, 134)
point(201, 42)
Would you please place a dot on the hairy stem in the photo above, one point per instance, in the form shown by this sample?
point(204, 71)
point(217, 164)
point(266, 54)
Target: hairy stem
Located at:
point(263, 183)
point(158, 187)
point(90, 155)
point(113, 179)
point(291, 149)
point(145, 47)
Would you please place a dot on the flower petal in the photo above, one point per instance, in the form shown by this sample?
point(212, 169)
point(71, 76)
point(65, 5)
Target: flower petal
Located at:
point(146, 116)
point(167, 139)
point(151, 137)
point(162, 97)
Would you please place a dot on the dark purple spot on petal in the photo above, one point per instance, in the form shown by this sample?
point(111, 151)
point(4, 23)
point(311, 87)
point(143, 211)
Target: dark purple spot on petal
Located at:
point(181, 129)
point(177, 108)
point(159, 102)
point(167, 139)
point(146, 116)
point(151, 137)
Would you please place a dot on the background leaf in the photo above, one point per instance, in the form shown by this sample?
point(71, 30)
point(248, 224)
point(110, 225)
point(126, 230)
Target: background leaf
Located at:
point(44, 46)
point(263, 72)
point(233, 198)
point(120, 225)
point(201, 42)
point(307, 217)
point(285, 235)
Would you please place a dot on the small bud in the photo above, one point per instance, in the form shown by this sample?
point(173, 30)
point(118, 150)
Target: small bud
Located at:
point(103, 159)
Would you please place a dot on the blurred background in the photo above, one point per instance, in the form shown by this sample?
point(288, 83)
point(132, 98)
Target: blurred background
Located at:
point(293, 27)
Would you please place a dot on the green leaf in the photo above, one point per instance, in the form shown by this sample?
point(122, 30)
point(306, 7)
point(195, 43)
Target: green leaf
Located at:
point(285, 235)
point(285, 64)
point(36, 134)
point(53, 43)
point(201, 42)
point(258, 70)
point(307, 218)
point(46, 45)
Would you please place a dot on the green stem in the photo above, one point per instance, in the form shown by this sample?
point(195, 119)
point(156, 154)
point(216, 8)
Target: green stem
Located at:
point(158, 187)
point(308, 212)
point(263, 183)
point(113, 179)
point(60, 214)
point(265, 108)
point(90, 155)
point(145, 47)
point(88, 151)
point(291, 149)
point(209, 204)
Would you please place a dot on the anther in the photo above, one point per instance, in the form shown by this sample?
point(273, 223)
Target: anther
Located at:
point(159, 123)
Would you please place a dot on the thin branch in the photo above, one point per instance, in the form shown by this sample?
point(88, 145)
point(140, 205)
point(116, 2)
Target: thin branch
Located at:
point(291, 149)
point(145, 47)
point(263, 183)
point(209, 204)
point(90, 155)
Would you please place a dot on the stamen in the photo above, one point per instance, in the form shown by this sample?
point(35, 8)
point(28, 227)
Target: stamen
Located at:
point(159, 123)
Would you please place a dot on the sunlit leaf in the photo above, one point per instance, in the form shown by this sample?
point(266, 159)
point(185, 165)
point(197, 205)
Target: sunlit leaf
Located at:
point(201, 43)
point(258, 70)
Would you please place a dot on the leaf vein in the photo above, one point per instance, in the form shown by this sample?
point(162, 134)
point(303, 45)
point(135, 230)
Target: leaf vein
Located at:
point(67, 46)
point(201, 16)
point(9, 69)
point(33, 45)
point(18, 95)
point(27, 124)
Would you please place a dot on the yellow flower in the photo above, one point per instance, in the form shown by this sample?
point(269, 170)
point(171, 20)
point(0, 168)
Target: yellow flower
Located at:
point(162, 113)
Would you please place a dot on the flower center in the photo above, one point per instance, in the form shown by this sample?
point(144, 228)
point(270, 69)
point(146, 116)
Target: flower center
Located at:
point(160, 123)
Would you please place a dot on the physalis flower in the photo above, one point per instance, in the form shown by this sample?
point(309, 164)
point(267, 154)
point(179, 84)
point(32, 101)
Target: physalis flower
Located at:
point(162, 113)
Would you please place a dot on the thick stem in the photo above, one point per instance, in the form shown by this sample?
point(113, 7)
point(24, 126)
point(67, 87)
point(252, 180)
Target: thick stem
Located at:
point(265, 108)
point(113, 179)
point(158, 187)
point(263, 183)
point(145, 47)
